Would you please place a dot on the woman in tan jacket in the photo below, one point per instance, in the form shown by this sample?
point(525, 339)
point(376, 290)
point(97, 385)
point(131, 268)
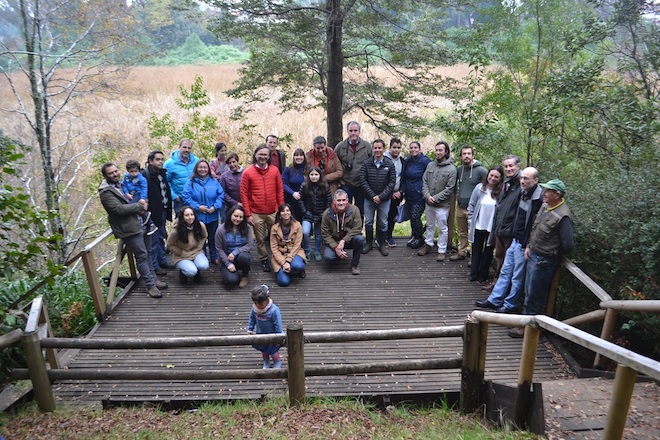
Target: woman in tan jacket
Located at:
point(286, 237)
point(186, 243)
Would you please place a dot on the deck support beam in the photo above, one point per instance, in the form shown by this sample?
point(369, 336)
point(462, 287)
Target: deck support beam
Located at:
point(624, 384)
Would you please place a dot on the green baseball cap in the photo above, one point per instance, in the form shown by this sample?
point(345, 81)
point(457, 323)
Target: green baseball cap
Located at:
point(555, 185)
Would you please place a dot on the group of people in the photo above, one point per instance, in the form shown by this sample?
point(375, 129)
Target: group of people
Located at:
point(223, 211)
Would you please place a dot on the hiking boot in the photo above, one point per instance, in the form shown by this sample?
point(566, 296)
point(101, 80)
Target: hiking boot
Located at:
point(485, 304)
point(390, 242)
point(160, 271)
point(382, 247)
point(243, 282)
point(457, 257)
point(440, 257)
point(355, 270)
point(369, 242)
point(162, 285)
point(154, 292)
point(425, 250)
point(317, 256)
point(303, 273)
point(265, 265)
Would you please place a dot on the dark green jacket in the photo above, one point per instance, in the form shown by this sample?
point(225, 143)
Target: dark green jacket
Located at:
point(122, 216)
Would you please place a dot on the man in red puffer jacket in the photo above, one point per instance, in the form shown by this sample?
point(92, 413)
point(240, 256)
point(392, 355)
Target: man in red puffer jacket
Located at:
point(262, 192)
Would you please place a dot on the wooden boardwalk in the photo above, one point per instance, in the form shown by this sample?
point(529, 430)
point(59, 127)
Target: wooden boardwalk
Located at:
point(402, 290)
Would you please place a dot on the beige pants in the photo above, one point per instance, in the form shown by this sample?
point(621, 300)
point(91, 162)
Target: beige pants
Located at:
point(262, 225)
point(462, 224)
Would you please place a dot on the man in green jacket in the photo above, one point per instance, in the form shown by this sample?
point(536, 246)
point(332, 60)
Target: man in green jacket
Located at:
point(126, 223)
point(341, 229)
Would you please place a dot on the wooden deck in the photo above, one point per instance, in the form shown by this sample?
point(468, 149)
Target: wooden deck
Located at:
point(402, 290)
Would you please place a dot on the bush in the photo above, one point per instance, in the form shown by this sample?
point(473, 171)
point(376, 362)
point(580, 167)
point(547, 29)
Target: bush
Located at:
point(70, 309)
point(195, 51)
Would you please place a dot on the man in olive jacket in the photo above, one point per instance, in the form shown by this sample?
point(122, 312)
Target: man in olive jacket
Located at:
point(126, 223)
point(341, 229)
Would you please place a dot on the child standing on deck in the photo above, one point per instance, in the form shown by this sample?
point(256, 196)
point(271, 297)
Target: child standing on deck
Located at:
point(265, 318)
point(136, 189)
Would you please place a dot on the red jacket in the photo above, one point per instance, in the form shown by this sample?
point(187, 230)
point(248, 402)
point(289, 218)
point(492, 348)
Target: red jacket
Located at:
point(262, 191)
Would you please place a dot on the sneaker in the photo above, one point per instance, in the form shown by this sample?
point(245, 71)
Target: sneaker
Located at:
point(154, 292)
point(390, 242)
point(506, 311)
point(162, 285)
point(469, 263)
point(147, 217)
point(416, 243)
point(160, 271)
point(440, 257)
point(457, 257)
point(266, 364)
point(317, 256)
point(425, 250)
point(485, 304)
point(410, 241)
point(265, 265)
point(243, 282)
point(303, 273)
point(152, 229)
point(277, 364)
point(355, 270)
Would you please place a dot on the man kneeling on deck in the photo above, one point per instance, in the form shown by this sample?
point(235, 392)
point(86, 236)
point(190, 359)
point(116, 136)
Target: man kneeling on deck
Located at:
point(341, 228)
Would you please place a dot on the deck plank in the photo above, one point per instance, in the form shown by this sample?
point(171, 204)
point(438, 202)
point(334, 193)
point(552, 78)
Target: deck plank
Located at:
point(402, 290)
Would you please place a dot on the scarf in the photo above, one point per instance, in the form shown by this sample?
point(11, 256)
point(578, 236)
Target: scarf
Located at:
point(265, 309)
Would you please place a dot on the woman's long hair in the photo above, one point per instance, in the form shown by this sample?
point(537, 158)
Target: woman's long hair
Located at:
point(242, 226)
point(495, 192)
point(309, 185)
point(278, 215)
point(182, 230)
point(295, 171)
point(195, 174)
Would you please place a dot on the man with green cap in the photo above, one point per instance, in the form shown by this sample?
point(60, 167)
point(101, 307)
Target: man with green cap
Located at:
point(550, 240)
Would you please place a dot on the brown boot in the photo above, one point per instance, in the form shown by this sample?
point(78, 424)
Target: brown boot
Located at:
point(243, 282)
point(425, 250)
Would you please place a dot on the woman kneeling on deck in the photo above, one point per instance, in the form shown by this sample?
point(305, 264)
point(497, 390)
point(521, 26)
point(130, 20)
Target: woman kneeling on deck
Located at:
point(286, 238)
point(234, 241)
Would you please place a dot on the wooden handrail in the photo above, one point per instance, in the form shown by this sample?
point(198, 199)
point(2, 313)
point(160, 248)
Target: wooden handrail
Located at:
point(586, 280)
point(90, 247)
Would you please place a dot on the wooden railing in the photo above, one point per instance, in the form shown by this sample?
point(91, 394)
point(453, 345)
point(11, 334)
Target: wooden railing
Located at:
point(103, 305)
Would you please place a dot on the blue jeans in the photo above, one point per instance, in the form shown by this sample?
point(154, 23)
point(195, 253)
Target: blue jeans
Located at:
point(297, 265)
point(140, 245)
point(191, 267)
point(211, 228)
point(540, 272)
point(512, 276)
point(318, 239)
point(357, 244)
point(158, 256)
point(355, 193)
point(370, 209)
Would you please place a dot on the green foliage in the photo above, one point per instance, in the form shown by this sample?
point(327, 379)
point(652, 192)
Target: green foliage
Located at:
point(195, 51)
point(203, 130)
point(70, 309)
point(24, 238)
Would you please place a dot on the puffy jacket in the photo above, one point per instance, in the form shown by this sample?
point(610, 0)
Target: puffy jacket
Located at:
point(412, 178)
point(351, 162)
point(231, 184)
point(178, 173)
point(293, 178)
point(378, 181)
point(122, 216)
point(204, 192)
point(156, 204)
point(262, 190)
point(284, 250)
point(313, 205)
point(438, 182)
point(329, 162)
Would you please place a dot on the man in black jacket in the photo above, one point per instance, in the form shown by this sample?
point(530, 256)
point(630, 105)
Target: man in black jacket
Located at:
point(160, 206)
point(377, 179)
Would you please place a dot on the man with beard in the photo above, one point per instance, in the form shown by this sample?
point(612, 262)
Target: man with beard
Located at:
point(262, 192)
point(394, 153)
point(126, 223)
point(160, 206)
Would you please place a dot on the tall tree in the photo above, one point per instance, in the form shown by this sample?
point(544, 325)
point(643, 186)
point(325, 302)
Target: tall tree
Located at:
point(65, 49)
point(343, 55)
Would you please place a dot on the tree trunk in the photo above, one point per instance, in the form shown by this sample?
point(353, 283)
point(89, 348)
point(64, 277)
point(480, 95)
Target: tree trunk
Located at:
point(335, 65)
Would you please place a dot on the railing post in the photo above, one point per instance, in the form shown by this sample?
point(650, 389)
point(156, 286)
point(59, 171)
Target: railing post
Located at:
point(527, 361)
point(624, 384)
point(94, 284)
point(606, 332)
point(36, 364)
point(296, 361)
point(474, 365)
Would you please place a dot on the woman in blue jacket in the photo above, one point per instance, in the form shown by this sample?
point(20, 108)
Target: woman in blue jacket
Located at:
point(412, 179)
point(292, 177)
point(204, 194)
